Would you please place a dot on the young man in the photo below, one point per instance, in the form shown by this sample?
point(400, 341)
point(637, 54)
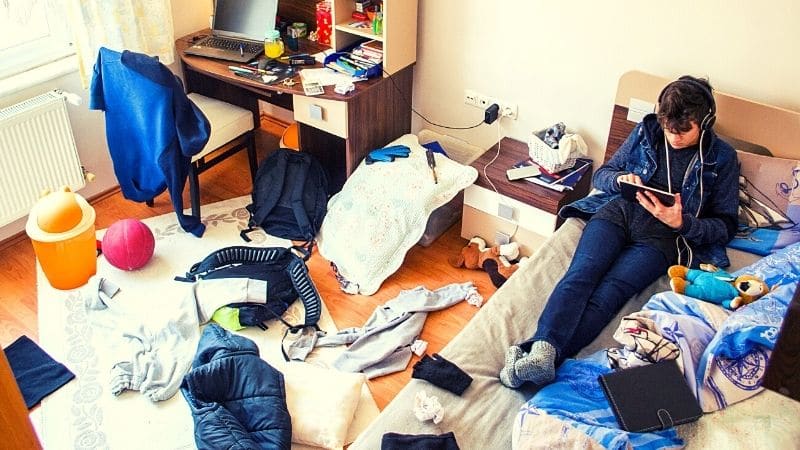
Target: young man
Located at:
point(627, 245)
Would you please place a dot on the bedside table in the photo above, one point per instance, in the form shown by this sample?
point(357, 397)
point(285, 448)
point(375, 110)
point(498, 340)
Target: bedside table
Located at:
point(534, 208)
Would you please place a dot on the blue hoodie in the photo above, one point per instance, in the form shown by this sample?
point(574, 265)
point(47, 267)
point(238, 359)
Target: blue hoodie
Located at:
point(710, 222)
point(152, 127)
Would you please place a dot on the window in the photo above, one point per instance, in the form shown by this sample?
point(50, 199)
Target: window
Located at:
point(32, 33)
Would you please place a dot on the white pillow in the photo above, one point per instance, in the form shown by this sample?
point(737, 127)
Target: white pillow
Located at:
point(322, 403)
point(382, 211)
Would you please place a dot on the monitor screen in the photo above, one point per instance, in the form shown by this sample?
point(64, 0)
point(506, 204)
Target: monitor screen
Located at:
point(248, 19)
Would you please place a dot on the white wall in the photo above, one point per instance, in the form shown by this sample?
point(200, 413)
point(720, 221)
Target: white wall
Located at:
point(560, 61)
point(89, 126)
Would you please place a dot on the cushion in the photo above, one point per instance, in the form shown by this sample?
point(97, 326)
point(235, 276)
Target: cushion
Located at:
point(382, 211)
point(769, 203)
point(227, 122)
point(322, 403)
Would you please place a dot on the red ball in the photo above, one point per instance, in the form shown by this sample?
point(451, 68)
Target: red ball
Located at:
point(128, 244)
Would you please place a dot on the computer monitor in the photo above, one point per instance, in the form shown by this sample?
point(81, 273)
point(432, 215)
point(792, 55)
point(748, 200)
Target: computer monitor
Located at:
point(244, 19)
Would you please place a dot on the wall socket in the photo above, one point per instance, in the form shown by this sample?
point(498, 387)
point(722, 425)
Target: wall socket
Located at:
point(501, 238)
point(505, 211)
point(478, 100)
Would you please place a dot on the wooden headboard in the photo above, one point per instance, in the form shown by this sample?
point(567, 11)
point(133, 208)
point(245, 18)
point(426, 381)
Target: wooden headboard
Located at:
point(775, 128)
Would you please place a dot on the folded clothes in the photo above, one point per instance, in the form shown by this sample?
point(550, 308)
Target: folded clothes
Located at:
point(37, 374)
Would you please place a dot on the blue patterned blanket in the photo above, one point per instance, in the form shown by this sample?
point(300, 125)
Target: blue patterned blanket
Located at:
point(723, 355)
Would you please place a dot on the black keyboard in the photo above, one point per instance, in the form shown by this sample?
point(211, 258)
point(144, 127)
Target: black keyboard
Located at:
point(229, 44)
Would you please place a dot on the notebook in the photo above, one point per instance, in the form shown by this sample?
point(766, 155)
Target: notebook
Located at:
point(650, 398)
point(237, 30)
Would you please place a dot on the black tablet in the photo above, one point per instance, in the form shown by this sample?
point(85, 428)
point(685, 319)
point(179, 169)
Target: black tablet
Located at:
point(629, 191)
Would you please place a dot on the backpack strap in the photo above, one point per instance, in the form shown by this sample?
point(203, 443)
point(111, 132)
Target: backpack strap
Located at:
point(298, 186)
point(232, 255)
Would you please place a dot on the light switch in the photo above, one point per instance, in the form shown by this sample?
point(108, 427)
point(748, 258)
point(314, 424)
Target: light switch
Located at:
point(638, 108)
point(315, 112)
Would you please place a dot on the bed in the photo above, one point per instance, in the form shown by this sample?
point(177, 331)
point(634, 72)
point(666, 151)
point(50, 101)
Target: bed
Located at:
point(483, 417)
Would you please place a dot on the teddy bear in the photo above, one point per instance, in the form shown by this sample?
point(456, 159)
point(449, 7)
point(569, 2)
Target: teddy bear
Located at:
point(496, 261)
point(711, 284)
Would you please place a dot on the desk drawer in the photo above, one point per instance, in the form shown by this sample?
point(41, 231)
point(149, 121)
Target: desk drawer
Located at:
point(527, 216)
point(326, 115)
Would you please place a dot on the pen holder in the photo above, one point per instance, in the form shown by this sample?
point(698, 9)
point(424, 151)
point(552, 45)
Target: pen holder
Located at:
point(340, 59)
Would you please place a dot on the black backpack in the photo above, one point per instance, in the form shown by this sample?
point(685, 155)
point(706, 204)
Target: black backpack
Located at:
point(290, 196)
point(284, 271)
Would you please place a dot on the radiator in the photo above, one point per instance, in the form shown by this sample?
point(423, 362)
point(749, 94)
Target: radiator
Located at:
point(37, 152)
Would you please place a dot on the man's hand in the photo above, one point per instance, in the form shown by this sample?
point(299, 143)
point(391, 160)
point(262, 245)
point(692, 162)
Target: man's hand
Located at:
point(672, 216)
point(629, 178)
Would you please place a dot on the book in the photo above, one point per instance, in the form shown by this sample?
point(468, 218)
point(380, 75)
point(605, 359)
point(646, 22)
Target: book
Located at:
point(566, 179)
point(651, 397)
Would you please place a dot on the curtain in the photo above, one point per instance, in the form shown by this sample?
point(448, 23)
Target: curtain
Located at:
point(143, 26)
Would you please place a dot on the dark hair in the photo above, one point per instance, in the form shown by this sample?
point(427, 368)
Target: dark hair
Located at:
point(684, 101)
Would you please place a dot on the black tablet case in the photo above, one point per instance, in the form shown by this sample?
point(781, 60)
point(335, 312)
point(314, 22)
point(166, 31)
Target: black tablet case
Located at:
point(629, 190)
point(650, 398)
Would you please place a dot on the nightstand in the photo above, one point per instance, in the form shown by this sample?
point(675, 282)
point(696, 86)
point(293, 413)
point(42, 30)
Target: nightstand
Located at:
point(534, 208)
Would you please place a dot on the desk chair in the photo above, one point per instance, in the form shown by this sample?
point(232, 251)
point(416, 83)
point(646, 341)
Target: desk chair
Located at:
point(231, 125)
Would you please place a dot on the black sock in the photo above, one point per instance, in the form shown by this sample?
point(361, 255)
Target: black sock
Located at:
point(442, 373)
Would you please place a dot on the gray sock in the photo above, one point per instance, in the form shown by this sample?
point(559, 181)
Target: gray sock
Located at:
point(538, 366)
point(508, 375)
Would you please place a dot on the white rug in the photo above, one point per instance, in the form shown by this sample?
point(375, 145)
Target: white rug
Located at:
point(84, 414)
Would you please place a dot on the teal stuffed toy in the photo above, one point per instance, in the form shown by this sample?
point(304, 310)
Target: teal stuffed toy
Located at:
point(717, 286)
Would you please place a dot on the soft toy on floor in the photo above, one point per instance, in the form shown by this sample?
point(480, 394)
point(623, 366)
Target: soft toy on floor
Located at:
point(496, 261)
point(717, 286)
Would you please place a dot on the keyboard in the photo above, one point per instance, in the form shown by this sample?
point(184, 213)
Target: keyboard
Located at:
point(233, 45)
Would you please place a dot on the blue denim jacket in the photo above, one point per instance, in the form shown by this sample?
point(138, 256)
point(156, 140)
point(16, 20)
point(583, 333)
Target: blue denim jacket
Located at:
point(708, 222)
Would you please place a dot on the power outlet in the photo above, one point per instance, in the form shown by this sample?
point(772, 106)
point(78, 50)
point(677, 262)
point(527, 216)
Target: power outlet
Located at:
point(501, 238)
point(478, 100)
point(505, 211)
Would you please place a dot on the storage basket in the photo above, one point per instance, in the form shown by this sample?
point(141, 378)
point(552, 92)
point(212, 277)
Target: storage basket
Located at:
point(547, 157)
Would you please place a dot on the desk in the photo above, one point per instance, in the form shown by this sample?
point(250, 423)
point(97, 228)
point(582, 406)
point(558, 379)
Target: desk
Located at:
point(377, 112)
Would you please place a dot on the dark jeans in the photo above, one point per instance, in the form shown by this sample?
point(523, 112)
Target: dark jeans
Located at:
point(606, 270)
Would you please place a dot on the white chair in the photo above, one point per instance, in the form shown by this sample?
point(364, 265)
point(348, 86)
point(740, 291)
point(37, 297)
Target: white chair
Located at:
point(230, 124)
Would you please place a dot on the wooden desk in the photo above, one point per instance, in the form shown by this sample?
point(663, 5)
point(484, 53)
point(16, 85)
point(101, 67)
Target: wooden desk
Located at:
point(378, 111)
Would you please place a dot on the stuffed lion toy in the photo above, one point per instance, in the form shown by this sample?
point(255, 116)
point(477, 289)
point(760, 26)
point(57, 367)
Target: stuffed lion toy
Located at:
point(715, 285)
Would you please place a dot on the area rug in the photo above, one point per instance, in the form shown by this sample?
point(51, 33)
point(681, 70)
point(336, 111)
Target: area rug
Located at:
point(84, 414)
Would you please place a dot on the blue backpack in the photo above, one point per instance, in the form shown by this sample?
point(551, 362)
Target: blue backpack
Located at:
point(290, 196)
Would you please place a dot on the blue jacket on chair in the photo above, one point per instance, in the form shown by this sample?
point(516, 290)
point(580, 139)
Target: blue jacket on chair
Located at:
point(238, 401)
point(152, 127)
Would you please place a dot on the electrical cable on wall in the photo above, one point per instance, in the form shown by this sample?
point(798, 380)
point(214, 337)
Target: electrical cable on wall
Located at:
point(494, 188)
point(403, 95)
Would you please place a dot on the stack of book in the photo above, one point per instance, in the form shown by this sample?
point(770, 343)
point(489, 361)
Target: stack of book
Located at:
point(561, 181)
point(362, 62)
point(370, 52)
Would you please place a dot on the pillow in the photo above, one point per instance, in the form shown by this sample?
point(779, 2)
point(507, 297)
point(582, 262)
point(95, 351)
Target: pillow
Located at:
point(322, 403)
point(769, 203)
point(381, 212)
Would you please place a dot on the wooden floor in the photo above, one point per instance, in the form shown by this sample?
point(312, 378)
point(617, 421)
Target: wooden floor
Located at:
point(423, 266)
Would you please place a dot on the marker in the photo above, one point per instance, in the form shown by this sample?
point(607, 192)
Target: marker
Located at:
point(239, 69)
point(241, 50)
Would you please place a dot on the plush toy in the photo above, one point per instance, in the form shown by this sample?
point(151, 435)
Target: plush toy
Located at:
point(715, 285)
point(496, 261)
